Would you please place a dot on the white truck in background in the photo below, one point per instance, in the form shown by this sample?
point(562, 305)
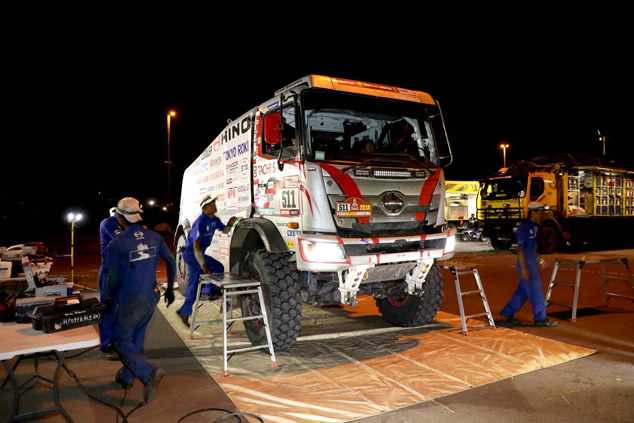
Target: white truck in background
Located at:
point(340, 188)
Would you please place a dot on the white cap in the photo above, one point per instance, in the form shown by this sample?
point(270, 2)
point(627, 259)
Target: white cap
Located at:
point(130, 209)
point(206, 200)
point(113, 211)
point(536, 205)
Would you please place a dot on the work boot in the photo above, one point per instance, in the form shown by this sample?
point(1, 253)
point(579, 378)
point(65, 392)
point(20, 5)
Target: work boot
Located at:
point(119, 379)
point(184, 318)
point(512, 320)
point(151, 386)
point(546, 323)
point(109, 353)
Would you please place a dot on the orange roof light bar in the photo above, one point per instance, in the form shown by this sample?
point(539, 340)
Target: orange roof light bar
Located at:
point(366, 88)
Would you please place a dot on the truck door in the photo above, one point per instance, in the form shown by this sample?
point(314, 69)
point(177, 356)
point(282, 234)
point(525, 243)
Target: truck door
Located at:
point(536, 188)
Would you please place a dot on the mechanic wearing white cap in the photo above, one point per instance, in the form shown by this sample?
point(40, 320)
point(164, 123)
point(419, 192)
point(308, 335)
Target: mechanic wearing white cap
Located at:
point(530, 286)
point(198, 240)
point(108, 229)
point(131, 262)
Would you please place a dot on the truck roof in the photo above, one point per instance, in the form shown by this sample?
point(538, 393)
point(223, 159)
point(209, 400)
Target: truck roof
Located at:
point(360, 87)
point(559, 162)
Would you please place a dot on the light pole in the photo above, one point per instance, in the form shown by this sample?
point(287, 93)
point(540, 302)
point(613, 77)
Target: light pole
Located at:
point(72, 218)
point(504, 147)
point(169, 161)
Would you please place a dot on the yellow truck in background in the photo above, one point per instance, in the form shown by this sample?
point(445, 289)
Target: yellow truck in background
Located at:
point(461, 200)
point(587, 201)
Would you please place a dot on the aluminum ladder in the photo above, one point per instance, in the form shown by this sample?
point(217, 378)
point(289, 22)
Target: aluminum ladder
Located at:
point(232, 286)
point(457, 269)
point(578, 264)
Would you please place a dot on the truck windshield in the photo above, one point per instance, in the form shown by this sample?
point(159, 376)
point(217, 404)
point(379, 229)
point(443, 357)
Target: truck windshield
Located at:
point(504, 188)
point(351, 128)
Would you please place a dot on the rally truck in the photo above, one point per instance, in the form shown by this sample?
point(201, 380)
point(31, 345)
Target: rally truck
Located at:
point(586, 201)
point(340, 188)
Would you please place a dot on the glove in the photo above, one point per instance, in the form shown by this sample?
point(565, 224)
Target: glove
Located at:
point(109, 303)
point(169, 296)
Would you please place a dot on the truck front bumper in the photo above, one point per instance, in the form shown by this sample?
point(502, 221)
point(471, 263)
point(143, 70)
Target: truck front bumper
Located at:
point(327, 253)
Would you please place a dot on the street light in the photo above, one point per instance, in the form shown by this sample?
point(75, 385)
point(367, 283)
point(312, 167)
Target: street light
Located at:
point(169, 162)
point(504, 147)
point(72, 218)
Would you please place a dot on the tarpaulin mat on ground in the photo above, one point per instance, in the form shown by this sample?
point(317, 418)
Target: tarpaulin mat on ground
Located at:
point(350, 364)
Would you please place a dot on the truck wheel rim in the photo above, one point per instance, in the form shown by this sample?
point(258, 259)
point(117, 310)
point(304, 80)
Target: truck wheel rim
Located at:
point(396, 303)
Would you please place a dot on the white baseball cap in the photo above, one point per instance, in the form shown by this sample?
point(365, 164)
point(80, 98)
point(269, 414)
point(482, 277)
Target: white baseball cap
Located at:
point(130, 208)
point(206, 200)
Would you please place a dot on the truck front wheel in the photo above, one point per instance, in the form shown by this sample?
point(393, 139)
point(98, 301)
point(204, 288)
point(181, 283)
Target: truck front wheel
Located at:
point(280, 286)
point(547, 239)
point(181, 266)
point(409, 310)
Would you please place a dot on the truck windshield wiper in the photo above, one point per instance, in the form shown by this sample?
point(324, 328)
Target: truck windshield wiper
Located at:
point(361, 164)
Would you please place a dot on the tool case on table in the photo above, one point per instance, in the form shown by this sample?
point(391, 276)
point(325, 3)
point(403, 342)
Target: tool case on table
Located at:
point(67, 313)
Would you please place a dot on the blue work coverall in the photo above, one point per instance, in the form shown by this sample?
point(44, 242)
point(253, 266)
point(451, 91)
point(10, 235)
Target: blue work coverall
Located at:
point(131, 263)
point(108, 229)
point(530, 289)
point(203, 229)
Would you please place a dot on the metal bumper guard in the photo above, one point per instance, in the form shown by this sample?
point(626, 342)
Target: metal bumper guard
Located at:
point(352, 271)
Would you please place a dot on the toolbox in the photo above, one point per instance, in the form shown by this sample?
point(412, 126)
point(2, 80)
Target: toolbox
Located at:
point(67, 313)
point(25, 307)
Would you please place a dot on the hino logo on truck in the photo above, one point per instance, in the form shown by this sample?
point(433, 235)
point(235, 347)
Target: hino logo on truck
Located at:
point(236, 130)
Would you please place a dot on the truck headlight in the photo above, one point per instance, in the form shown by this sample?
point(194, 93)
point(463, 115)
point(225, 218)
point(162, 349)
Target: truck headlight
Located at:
point(450, 245)
point(322, 252)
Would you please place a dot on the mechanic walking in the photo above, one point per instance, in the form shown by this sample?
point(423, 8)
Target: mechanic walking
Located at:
point(198, 240)
point(530, 286)
point(108, 229)
point(131, 262)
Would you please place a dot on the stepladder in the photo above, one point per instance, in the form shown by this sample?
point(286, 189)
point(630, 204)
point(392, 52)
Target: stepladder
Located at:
point(232, 286)
point(578, 263)
point(458, 269)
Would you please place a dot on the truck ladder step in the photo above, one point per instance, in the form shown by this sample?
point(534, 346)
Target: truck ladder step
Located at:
point(620, 296)
point(562, 283)
point(471, 292)
point(561, 304)
point(476, 315)
point(241, 319)
point(257, 347)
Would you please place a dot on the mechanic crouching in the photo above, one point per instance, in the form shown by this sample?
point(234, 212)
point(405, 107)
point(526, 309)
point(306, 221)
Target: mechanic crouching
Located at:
point(131, 263)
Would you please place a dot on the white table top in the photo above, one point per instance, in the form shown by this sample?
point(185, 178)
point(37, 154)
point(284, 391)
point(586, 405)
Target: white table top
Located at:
point(21, 338)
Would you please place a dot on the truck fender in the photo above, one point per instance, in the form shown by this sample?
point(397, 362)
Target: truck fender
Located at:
point(250, 234)
point(267, 231)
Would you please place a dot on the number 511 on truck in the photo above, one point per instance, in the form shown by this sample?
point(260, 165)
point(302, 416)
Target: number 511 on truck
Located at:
point(340, 188)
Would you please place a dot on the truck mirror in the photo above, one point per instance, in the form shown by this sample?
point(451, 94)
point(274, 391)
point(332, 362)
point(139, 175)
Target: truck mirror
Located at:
point(272, 128)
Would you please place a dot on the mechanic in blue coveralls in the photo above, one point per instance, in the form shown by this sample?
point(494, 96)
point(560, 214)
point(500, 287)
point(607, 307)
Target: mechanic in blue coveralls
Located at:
point(131, 263)
point(198, 240)
point(108, 229)
point(530, 286)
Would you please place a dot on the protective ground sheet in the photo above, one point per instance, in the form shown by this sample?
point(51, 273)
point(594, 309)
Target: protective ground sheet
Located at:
point(349, 364)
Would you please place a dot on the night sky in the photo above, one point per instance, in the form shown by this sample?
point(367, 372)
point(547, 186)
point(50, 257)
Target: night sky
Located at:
point(85, 127)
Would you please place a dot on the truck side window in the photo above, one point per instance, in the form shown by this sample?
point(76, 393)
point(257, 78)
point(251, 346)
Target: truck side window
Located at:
point(288, 136)
point(536, 189)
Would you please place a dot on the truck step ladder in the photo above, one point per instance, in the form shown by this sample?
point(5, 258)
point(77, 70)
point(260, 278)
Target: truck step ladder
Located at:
point(457, 269)
point(578, 264)
point(232, 286)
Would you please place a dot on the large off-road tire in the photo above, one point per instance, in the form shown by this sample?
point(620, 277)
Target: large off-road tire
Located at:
point(409, 310)
point(547, 239)
point(280, 285)
point(500, 243)
point(181, 266)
